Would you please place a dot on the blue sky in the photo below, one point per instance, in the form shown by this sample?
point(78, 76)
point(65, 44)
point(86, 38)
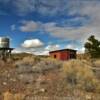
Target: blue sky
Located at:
point(39, 26)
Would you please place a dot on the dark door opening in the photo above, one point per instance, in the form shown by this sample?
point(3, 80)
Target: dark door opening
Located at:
point(72, 56)
point(55, 56)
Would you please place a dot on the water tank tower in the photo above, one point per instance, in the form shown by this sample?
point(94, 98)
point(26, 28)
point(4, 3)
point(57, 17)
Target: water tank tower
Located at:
point(5, 50)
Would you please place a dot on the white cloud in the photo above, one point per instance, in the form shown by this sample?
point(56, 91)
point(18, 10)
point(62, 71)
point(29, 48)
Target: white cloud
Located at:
point(61, 32)
point(70, 46)
point(17, 51)
point(81, 50)
point(43, 52)
point(47, 49)
point(24, 50)
point(32, 43)
point(44, 7)
point(73, 33)
point(34, 51)
point(50, 7)
point(24, 7)
point(67, 32)
point(29, 26)
point(82, 9)
point(52, 47)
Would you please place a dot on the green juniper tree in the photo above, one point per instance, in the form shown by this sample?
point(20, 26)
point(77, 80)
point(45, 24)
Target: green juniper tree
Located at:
point(92, 47)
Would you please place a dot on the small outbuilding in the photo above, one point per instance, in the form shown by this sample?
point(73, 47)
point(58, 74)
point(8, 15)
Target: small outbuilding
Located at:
point(64, 54)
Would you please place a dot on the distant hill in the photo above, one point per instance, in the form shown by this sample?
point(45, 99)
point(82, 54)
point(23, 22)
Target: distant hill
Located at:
point(20, 55)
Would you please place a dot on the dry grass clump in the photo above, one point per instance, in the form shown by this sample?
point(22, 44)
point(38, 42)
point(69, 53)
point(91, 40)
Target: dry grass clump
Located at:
point(51, 60)
point(97, 62)
point(47, 64)
point(26, 61)
point(19, 96)
point(25, 65)
point(80, 75)
point(20, 56)
point(84, 56)
point(9, 96)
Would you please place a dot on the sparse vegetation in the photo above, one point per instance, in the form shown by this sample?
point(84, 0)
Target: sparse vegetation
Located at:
point(97, 63)
point(31, 76)
point(80, 75)
point(47, 64)
point(10, 96)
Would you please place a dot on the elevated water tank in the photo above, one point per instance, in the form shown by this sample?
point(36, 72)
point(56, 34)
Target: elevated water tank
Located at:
point(4, 42)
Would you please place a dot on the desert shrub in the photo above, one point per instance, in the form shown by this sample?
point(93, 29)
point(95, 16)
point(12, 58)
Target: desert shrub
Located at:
point(47, 64)
point(19, 96)
point(26, 61)
point(8, 96)
point(84, 56)
point(90, 85)
point(80, 75)
point(98, 88)
point(29, 60)
point(97, 62)
point(20, 56)
point(24, 65)
point(37, 59)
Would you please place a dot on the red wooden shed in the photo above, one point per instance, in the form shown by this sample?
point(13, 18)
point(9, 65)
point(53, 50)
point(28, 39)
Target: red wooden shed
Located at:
point(64, 54)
